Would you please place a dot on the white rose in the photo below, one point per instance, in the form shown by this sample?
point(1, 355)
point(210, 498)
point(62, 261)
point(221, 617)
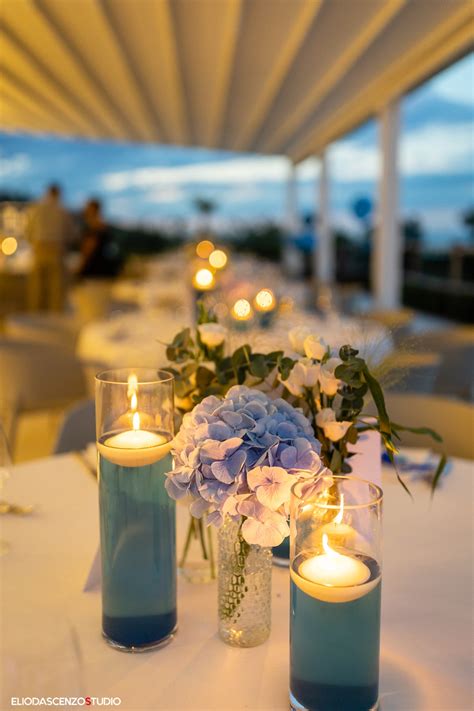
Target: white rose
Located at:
point(303, 375)
point(327, 380)
point(324, 416)
point(297, 336)
point(333, 430)
point(212, 334)
point(315, 347)
point(336, 430)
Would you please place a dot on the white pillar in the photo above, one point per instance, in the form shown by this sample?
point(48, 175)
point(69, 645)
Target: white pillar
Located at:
point(386, 264)
point(291, 221)
point(290, 256)
point(324, 249)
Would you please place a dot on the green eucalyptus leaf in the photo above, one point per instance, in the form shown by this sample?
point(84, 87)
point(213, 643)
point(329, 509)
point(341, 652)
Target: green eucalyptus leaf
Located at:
point(417, 430)
point(439, 470)
point(258, 366)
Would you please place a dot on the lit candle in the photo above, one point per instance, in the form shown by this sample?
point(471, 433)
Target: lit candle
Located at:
point(218, 259)
point(135, 447)
point(333, 577)
point(203, 280)
point(339, 532)
point(264, 301)
point(241, 310)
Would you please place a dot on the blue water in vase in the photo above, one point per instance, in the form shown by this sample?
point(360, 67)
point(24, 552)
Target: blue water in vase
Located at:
point(138, 551)
point(334, 649)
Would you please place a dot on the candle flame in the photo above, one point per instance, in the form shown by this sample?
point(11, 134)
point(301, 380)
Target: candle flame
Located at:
point(340, 515)
point(327, 548)
point(132, 382)
point(134, 402)
point(136, 421)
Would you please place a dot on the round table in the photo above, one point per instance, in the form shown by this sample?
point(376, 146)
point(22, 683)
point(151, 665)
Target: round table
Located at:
point(52, 644)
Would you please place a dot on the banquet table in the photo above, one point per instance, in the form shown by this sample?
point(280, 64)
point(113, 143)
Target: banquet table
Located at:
point(51, 639)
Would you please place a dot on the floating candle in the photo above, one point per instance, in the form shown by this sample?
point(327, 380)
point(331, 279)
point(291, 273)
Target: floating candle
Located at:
point(135, 447)
point(332, 576)
point(333, 568)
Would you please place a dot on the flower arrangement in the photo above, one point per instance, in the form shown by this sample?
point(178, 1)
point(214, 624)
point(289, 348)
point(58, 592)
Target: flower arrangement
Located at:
point(239, 457)
point(332, 389)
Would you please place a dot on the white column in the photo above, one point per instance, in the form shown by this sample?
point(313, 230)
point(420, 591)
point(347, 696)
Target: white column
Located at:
point(291, 220)
point(386, 264)
point(289, 256)
point(324, 249)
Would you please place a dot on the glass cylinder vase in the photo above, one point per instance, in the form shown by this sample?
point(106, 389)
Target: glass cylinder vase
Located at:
point(244, 588)
point(134, 411)
point(335, 568)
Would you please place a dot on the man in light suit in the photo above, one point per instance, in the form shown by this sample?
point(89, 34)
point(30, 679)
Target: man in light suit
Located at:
point(48, 227)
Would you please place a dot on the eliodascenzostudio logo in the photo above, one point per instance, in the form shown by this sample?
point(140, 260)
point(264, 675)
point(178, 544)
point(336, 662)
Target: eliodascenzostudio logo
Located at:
point(65, 701)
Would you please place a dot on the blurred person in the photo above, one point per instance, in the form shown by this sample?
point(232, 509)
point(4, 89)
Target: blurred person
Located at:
point(48, 225)
point(99, 254)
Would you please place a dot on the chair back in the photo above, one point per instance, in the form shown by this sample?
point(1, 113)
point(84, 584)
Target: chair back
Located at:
point(452, 419)
point(55, 329)
point(77, 429)
point(39, 376)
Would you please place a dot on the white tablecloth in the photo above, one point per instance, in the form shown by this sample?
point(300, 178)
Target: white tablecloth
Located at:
point(132, 339)
point(51, 629)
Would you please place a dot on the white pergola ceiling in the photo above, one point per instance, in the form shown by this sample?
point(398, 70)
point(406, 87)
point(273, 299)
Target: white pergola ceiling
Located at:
point(270, 76)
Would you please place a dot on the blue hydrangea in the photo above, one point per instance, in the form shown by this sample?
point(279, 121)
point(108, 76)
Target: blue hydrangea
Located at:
point(239, 456)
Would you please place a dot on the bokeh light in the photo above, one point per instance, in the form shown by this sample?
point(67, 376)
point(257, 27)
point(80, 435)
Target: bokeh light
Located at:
point(203, 279)
point(204, 248)
point(242, 310)
point(265, 300)
point(9, 246)
point(218, 259)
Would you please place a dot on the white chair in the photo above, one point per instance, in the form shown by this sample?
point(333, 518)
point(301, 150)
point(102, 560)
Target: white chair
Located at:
point(38, 376)
point(77, 429)
point(55, 329)
point(455, 346)
point(452, 419)
point(413, 372)
point(91, 299)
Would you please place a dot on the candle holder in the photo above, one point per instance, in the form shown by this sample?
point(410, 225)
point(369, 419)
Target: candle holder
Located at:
point(335, 568)
point(134, 413)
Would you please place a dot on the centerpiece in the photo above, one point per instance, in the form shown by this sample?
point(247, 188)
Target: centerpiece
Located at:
point(236, 459)
point(253, 424)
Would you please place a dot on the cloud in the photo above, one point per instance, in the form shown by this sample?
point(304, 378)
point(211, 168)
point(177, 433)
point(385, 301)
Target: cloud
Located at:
point(456, 83)
point(14, 165)
point(437, 149)
point(165, 195)
point(238, 170)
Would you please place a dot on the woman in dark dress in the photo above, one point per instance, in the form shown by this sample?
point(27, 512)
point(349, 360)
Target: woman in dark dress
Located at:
point(99, 253)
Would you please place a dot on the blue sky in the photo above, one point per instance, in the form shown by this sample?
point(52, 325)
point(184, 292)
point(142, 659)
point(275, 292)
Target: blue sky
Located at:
point(151, 184)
